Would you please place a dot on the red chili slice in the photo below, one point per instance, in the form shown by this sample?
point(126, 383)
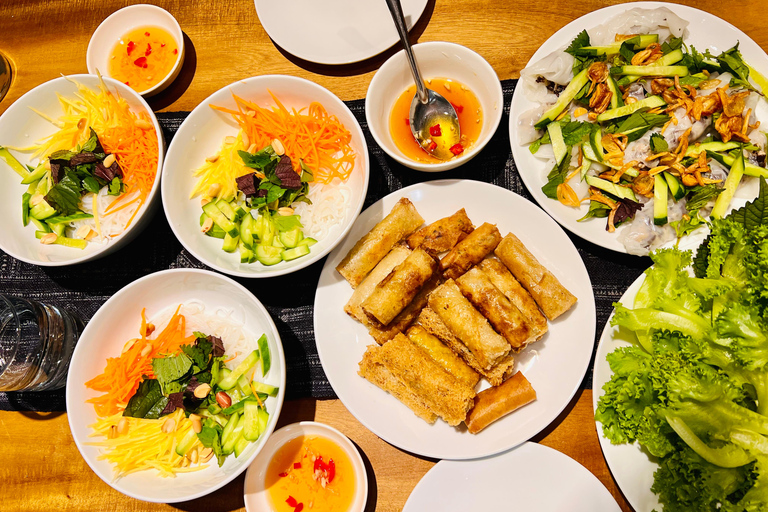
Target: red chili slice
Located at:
point(162, 45)
point(149, 50)
point(458, 108)
point(291, 501)
point(282, 475)
point(435, 130)
point(126, 83)
point(407, 122)
point(146, 34)
point(175, 51)
point(299, 507)
point(432, 146)
point(457, 149)
point(141, 62)
point(297, 465)
point(131, 47)
point(320, 464)
point(331, 470)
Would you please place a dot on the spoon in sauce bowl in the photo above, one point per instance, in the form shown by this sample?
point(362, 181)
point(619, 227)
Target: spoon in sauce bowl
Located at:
point(433, 120)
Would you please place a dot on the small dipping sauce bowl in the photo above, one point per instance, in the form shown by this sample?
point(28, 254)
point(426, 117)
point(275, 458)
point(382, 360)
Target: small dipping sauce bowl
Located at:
point(437, 60)
point(286, 452)
point(128, 20)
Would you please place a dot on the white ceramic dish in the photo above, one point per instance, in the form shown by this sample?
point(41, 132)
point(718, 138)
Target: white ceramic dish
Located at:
point(555, 365)
point(630, 466)
point(122, 21)
point(318, 33)
point(20, 127)
point(201, 135)
point(436, 60)
point(544, 480)
point(705, 31)
point(256, 495)
point(117, 321)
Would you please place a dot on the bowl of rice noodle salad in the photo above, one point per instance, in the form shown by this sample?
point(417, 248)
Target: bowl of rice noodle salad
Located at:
point(80, 158)
point(265, 176)
point(175, 385)
point(649, 106)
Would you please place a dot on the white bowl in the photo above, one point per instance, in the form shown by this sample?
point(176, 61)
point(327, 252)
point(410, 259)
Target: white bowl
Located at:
point(436, 60)
point(20, 127)
point(122, 21)
point(116, 322)
point(201, 135)
point(256, 495)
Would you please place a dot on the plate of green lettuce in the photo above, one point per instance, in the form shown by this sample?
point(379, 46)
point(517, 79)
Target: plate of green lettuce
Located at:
point(681, 374)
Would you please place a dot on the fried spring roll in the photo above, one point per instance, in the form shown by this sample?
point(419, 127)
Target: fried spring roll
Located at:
point(369, 250)
point(495, 403)
point(407, 316)
point(443, 355)
point(551, 296)
point(441, 392)
point(494, 305)
point(442, 235)
point(468, 325)
point(470, 251)
point(398, 289)
point(503, 279)
point(354, 307)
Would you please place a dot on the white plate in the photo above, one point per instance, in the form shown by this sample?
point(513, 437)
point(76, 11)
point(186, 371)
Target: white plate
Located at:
point(20, 127)
point(555, 366)
point(334, 31)
point(530, 478)
point(256, 495)
point(118, 321)
point(705, 31)
point(631, 467)
point(201, 135)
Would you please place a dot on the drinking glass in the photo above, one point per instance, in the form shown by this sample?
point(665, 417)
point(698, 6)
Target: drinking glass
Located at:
point(36, 344)
point(6, 75)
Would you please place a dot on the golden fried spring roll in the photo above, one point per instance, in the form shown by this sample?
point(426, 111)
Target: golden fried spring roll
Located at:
point(369, 250)
point(470, 251)
point(495, 403)
point(496, 375)
point(398, 289)
point(443, 355)
point(442, 235)
point(442, 393)
point(407, 316)
point(551, 296)
point(354, 307)
point(496, 307)
point(503, 279)
point(468, 325)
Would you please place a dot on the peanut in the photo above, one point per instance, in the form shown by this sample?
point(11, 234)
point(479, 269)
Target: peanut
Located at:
point(245, 139)
point(149, 329)
point(222, 398)
point(252, 148)
point(143, 124)
point(285, 211)
point(109, 160)
point(278, 147)
point(122, 426)
point(129, 344)
point(207, 225)
point(83, 232)
point(205, 455)
point(169, 425)
point(202, 390)
point(204, 201)
point(35, 199)
point(213, 190)
point(146, 350)
point(212, 158)
point(230, 139)
point(49, 238)
point(193, 456)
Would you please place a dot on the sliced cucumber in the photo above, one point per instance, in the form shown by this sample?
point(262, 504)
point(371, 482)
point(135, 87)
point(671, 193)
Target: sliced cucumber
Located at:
point(241, 445)
point(75, 243)
point(263, 419)
point(555, 132)
point(13, 163)
point(25, 208)
point(246, 230)
point(230, 243)
point(35, 175)
point(570, 92)
point(268, 255)
point(227, 210)
point(42, 210)
point(260, 387)
point(649, 102)
point(40, 225)
point(749, 169)
point(296, 252)
point(228, 442)
point(186, 442)
point(650, 70)
point(616, 99)
point(659, 200)
point(57, 228)
point(638, 42)
point(596, 141)
point(714, 145)
point(229, 428)
point(308, 241)
point(291, 238)
point(612, 188)
point(586, 164)
point(213, 211)
point(729, 189)
point(244, 385)
point(246, 254)
point(229, 381)
point(266, 356)
point(66, 219)
point(665, 60)
point(675, 187)
point(589, 153)
point(251, 430)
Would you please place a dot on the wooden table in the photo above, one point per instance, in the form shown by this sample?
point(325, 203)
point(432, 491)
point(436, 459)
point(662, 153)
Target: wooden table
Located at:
point(41, 468)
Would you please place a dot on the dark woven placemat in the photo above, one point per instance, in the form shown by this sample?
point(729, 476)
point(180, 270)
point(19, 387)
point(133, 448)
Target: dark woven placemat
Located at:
point(289, 299)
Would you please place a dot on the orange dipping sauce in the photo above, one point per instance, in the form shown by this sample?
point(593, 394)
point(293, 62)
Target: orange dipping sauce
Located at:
point(464, 102)
point(143, 57)
point(296, 474)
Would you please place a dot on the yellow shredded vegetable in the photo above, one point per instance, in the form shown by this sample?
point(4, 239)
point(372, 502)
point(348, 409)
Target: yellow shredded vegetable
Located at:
point(225, 167)
point(145, 446)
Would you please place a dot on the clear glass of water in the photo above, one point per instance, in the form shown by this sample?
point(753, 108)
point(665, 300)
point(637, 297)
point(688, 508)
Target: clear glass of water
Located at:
point(36, 344)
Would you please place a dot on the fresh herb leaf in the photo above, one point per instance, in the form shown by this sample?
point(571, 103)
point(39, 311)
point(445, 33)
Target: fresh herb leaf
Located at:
point(116, 186)
point(574, 132)
point(557, 176)
point(693, 80)
point(92, 143)
point(672, 45)
point(91, 184)
point(286, 222)
point(637, 124)
point(148, 397)
point(170, 370)
point(755, 213)
point(597, 210)
point(260, 160)
point(686, 225)
point(580, 41)
point(306, 172)
point(658, 143)
point(700, 196)
point(732, 61)
point(580, 62)
point(625, 50)
point(210, 437)
point(626, 210)
point(65, 195)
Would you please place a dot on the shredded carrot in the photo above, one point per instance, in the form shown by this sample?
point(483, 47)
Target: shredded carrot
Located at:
point(231, 358)
point(315, 137)
point(123, 374)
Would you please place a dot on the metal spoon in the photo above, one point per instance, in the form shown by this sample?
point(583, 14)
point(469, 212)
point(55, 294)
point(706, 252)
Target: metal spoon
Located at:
point(428, 108)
